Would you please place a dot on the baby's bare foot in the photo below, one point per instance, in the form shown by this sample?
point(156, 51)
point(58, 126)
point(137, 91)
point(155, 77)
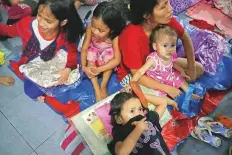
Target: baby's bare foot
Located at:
point(196, 97)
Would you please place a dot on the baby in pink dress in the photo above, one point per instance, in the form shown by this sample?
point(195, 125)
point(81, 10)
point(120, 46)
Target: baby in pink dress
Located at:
point(161, 64)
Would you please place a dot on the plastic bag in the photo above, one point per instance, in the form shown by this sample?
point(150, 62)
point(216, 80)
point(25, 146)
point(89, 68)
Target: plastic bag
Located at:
point(186, 105)
point(209, 47)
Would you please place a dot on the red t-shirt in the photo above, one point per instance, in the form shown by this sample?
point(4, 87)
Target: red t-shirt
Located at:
point(134, 46)
point(23, 30)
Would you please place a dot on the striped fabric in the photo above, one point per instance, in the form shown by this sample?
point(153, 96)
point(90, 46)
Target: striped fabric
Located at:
point(126, 80)
point(74, 143)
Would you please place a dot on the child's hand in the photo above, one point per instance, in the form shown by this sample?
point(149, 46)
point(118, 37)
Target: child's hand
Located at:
point(88, 72)
point(173, 104)
point(142, 124)
point(64, 76)
point(96, 70)
point(183, 74)
point(173, 92)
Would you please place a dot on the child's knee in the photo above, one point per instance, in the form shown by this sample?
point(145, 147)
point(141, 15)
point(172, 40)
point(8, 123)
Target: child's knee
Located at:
point(200, 69)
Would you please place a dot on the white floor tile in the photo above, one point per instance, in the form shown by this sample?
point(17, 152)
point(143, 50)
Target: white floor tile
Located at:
point(35, 121)
point(52, 145)
point(11, 141)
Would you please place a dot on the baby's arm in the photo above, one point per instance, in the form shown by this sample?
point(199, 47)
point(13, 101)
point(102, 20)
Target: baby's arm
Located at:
point(148, 64)
point(113, 62)
point(126, 147)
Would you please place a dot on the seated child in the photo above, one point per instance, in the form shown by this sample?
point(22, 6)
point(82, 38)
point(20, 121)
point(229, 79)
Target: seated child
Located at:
point(17, 9)
point(7, 80)
point(57, 25)
point(135, 132)
point(100, 51)
point(161, 64)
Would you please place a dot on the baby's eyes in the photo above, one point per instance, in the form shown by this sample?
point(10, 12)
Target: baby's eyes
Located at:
point(173, 45)
point(132, 111)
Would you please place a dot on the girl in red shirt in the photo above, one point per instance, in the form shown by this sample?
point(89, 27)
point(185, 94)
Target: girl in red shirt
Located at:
point(57, 25)
point(134, 43)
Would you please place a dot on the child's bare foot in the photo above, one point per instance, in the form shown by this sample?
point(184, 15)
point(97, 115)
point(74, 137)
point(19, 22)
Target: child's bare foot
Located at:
point(104, 93)
point(41, 99)
point(196, 97)
point(7, 80)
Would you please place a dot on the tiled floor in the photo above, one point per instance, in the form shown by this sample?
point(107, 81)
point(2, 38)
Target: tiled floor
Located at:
point(31, 128)
point(27, 127)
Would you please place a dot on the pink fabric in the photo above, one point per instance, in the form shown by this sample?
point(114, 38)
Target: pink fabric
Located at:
point(103, 114)
point(100, 52)
point(164, 74)
point(17, 11)
point(213, 16)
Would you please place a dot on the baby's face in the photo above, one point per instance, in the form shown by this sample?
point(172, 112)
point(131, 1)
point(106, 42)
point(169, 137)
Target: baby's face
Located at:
point(130, 109)
point(165, 46)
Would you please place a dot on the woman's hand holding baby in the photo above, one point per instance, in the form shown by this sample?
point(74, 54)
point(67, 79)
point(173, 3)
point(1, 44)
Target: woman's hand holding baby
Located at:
point(183, 74)
point(191, 72)
point(173, 104)
point(173, 92)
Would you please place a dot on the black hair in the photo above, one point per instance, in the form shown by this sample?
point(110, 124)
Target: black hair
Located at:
point(139, 8)
point(117, 103)
point(161, 30)
point(6, 2)
point(112, 15)
point(65, 9)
